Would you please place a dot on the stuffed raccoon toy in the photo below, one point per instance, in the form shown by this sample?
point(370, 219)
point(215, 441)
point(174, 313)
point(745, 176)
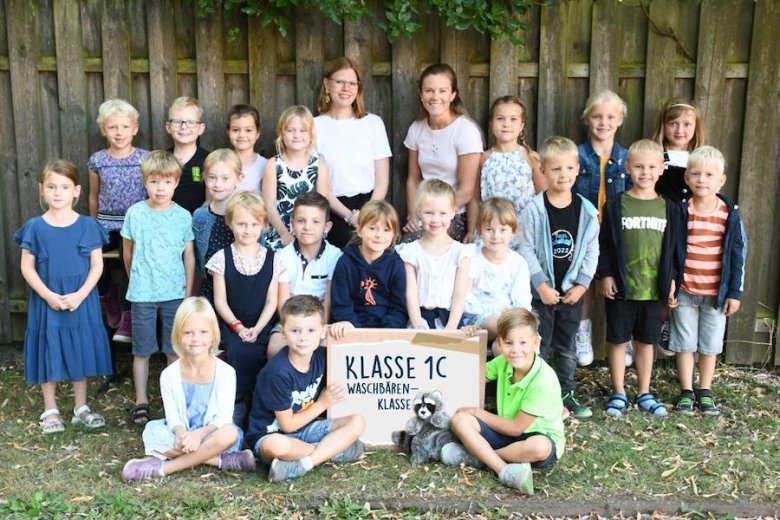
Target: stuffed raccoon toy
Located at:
point(427, 431)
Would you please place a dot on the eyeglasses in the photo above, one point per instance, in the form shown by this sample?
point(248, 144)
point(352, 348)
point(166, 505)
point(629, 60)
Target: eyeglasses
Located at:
point(183, 123)
point(341, 83)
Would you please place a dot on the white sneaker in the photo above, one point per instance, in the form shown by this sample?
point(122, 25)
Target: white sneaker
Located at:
point(630, 353)
point(583, 344)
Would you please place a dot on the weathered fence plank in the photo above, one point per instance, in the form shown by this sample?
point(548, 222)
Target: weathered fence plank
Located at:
point(162, 66)
point(116, 50)
point(661, 59)
point(758, 181)
point(309, 56)
point(552, 72)
point(209, 47)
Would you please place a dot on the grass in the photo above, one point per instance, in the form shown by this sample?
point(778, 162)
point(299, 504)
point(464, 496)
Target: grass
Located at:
point(695, 467)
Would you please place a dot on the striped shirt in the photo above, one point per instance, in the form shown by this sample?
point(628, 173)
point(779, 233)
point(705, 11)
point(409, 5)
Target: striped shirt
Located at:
point(704, 250)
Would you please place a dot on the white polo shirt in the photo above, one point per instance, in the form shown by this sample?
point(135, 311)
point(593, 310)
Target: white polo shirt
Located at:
point(308, 277)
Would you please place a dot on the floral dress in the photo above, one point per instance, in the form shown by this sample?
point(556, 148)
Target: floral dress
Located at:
point(508, 175)
point(289, 184)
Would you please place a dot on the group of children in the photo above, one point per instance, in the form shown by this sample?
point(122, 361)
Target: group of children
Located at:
point(547, 224)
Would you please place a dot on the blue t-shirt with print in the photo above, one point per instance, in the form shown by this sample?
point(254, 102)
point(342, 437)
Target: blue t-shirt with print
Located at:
point(159, 237)
point(280, 386)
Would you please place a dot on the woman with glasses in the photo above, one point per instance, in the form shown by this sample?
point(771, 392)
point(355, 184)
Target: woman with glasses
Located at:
point(354, 145)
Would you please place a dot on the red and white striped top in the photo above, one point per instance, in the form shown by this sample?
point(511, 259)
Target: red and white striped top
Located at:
point(704, 250)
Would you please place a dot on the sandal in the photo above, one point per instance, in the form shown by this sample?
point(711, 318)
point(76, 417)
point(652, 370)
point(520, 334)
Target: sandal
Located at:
point(140, 414)
point(617, 405)
point(648, 403)
point(51, 421)
point(83, 416)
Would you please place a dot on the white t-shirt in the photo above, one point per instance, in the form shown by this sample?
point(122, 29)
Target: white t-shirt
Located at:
point(678, 158)
point(350, 147)
point(495, 287)
point(438, 150)
point(253, 175)
point(314, 277)
point(435, 274)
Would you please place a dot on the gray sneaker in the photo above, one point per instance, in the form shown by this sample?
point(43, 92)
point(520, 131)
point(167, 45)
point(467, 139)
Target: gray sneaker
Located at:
point(353, 452)
point(454, 454)
point(282, 470)
point(142, 469)
point(238, 461)
point(518, 476)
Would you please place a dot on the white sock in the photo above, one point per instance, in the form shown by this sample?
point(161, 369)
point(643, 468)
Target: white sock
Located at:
point(307, 463)
point(162, 472)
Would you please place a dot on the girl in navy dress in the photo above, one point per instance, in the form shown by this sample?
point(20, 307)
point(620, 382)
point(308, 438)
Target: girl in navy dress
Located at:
point(62, 260)
point(246, 286)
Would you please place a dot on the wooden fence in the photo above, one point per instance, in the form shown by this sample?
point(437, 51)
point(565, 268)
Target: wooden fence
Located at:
point(59, 59)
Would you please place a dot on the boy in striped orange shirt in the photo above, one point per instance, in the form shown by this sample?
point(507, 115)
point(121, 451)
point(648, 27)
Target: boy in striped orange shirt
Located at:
point(713, 250)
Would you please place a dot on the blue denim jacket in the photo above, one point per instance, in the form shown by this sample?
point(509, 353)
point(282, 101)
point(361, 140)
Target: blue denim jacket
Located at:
point(202, 220)
point(588, 180)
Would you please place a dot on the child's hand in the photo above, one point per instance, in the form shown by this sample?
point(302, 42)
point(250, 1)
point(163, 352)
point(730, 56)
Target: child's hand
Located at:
point(672, 300)
point(470, 330)
point(71, 301)
point(188, 442)
point(338, 329)
point(574, 294)
point(609, 287)
point(731, 306)
point(548, 295)
point(352, 219)
point(332, 394)
point(420, 325)
point(55, 301)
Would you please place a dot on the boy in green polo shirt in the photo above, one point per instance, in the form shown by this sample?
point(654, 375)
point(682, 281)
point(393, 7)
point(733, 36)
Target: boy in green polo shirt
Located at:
point(528, 430)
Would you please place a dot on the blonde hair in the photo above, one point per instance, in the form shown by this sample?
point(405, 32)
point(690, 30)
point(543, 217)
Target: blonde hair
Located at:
point(646, 146)
point(601, 97)
point(115, 108)
point(557, 146)
point(497, 208)
point(433, 188)
point(378, 211)
point(250, 201)
point(162, 164)
point(224, 156)
point(195, 306)
point(707, 154)
point(517, 318)
point(308, 121)
point(183, 102)
point(673, 109)
point(332, 67)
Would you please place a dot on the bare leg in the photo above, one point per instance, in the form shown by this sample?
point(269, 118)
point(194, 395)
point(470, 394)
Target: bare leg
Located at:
point(140, 378)
point(345, 431)
point(643, 357)
point(466, 428)
point(533, 449)
point(80, 393)
point(616, 359)
point(49, 395)
point(685, 370)
point(208, 453)
point(706, 370)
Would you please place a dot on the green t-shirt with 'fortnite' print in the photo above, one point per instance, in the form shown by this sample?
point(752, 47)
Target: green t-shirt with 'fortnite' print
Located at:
point(643, 225)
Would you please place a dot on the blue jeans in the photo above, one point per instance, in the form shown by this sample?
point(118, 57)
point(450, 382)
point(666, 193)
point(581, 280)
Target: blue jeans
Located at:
point(558, 326)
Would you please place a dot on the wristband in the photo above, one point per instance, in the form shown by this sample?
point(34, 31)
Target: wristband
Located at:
point(235, 325)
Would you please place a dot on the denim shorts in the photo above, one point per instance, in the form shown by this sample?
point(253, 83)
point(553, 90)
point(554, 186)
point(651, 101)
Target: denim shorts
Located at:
point(696, 325)
point(499, 440)
point(312, 433)
point(144, 315)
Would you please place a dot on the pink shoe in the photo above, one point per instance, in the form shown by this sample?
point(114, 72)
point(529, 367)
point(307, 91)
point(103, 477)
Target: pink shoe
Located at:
point(142, 469)
point(111, 306)
point(124, 334)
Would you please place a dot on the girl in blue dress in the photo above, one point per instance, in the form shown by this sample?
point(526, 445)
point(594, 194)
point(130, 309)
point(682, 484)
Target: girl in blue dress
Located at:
point(62, 261)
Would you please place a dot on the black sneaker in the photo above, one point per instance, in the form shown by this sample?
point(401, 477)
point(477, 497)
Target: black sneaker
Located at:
point(705, 401)
point(580, 411)
point(685, 402)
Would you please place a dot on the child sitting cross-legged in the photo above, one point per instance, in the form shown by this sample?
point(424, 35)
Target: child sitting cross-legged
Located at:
point(528, 429)
point(197, 392)
point(285, 428)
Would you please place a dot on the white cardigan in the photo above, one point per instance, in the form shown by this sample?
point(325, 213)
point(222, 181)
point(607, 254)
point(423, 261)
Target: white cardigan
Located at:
point(223, 394)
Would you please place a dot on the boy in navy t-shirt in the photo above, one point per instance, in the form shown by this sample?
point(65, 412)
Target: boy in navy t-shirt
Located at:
point(285, 428)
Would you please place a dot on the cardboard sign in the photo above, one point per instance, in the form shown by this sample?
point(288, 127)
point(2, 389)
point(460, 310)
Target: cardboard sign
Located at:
point(384, 369)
